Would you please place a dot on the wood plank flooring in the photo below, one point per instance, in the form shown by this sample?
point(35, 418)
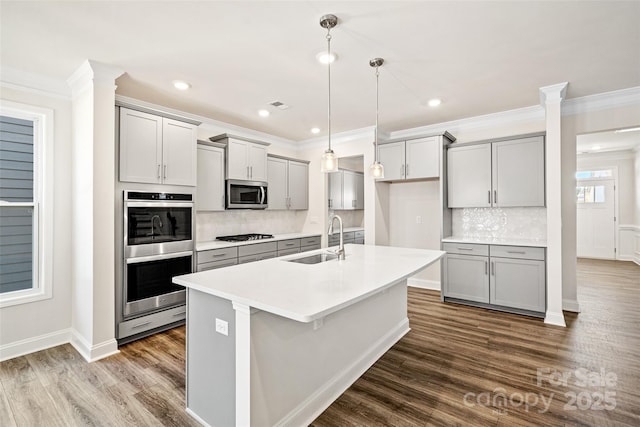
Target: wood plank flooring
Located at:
point(458, 366)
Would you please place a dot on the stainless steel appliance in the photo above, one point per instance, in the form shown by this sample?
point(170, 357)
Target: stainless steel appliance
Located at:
point(246, 194)
point(244, 237)
point(158, 245)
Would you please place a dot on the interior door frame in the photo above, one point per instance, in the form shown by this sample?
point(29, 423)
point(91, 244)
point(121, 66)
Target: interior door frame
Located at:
point(616, 226)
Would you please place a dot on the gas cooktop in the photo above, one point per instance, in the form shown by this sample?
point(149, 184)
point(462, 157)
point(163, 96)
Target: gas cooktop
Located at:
point(244, 237)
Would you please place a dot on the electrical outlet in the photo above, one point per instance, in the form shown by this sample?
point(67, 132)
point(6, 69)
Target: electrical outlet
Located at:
point(313, 220)
point(222, 327)
point(418, 219)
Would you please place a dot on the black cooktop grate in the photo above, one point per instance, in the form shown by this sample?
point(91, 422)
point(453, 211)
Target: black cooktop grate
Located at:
point(244, 237)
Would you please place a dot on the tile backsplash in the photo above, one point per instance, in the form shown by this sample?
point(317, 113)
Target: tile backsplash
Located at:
point(525, 223)
point(210, 225)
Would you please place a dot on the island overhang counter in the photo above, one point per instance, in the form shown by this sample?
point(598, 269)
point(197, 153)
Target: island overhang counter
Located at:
point(297, 335)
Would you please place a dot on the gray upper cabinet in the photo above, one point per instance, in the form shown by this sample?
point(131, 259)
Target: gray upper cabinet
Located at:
point(518, 172)
point(412, 159)
point(156, 150)
point(346, 190)
point(469, 176)
point(288, 181)
point(507, 173)
point(246, 160)
point(210, 188)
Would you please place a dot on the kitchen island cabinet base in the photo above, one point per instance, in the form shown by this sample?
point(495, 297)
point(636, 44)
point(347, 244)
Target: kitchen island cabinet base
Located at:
point(494, 307)
point(270, 370)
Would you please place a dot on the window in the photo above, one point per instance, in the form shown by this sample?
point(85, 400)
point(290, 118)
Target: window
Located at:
point(25, 211)
point(607, 173)
point(590, 194)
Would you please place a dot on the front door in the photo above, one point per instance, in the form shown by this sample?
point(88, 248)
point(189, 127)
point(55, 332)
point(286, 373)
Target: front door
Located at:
point(596, 219)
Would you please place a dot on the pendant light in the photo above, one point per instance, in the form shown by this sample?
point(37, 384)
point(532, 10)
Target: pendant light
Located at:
point(329, 161)
point(376, 170)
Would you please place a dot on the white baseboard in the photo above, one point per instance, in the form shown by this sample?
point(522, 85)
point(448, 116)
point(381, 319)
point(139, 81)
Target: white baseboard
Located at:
point(553, 318)
point(434, 285)
point(571, 305)
point(314, 405)
point(91, 353)
point(31, 345)
point(197, 418)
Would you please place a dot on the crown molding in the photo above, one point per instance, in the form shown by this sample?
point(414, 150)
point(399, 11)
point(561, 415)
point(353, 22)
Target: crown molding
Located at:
point(602, 101)
point(492, 120)
point(93, 72)
point(346, 137)
point(25, 81)
point(216, 127)
point(627, 154)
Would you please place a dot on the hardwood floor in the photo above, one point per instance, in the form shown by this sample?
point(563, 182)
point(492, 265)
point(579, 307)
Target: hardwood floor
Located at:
point(458, 366)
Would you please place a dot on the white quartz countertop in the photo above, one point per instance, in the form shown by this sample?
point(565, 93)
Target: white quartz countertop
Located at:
point(219, 244)
point(508, 241)
point(306, 292)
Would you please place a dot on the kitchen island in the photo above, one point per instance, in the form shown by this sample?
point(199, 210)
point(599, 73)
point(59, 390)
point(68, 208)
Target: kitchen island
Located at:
point(275, 342)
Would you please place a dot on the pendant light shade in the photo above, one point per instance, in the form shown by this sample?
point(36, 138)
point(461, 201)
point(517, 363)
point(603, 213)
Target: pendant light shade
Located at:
point(376, 170)
point(329, 162)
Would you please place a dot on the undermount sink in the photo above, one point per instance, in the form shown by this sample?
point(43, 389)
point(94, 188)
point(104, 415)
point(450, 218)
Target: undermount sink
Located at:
point(314, 259)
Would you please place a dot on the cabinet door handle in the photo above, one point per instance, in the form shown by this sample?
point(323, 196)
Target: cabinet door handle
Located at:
point(165, 171)
point(495, 196)
point(493, 268)
point(158, 170)
point(247, 172)
point(401, 170)
point(517, 252)
point(250, 171)
point(407, 170)
point(465, 249)
point(486, 267)
point(489, 196)
point(140, 325)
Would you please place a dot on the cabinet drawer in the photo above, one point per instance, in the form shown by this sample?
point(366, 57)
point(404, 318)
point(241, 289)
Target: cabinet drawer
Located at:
point(204, 266)
point(217, 255)
point(151, 321)
point(520, 252)
point(288, 244)
point(288, 251)
point(359, 234)
point(310, 247)
point(256, 257)
point(466, 248)
point(257, 248)
point(309, 241)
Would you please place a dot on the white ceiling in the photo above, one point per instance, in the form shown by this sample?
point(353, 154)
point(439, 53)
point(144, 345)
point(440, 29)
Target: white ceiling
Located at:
point(478, 57)
point(608, 141)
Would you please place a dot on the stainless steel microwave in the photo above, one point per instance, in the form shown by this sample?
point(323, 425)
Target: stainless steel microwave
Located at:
point(246, 194)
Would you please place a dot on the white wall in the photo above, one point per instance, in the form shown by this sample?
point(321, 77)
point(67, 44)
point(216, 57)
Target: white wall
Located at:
point(32, 326)
point(414, 221)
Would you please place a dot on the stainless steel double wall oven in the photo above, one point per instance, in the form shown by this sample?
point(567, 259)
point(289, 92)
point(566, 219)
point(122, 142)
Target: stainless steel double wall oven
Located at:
point(158, 245)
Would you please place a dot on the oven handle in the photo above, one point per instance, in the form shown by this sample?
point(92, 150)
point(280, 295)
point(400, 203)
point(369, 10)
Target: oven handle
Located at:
point(163, 204)
point(159, 257)
point(263, 195)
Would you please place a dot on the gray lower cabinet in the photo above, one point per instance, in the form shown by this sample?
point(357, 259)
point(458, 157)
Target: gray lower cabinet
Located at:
point(467, 277)
point(224, 257)
point(512, 277)
point(356, 237)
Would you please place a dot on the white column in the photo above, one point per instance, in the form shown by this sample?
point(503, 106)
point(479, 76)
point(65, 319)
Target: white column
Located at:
point(243, 364)
point(93, 207)
point(551, 99)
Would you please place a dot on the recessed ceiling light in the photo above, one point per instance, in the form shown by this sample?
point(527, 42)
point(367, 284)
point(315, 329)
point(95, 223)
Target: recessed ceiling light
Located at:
point(596, 147)
point(325, 58)
point(434, 102)
point(180, 85)
point(315, 130)
point(264, 113)
point(627, 130)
